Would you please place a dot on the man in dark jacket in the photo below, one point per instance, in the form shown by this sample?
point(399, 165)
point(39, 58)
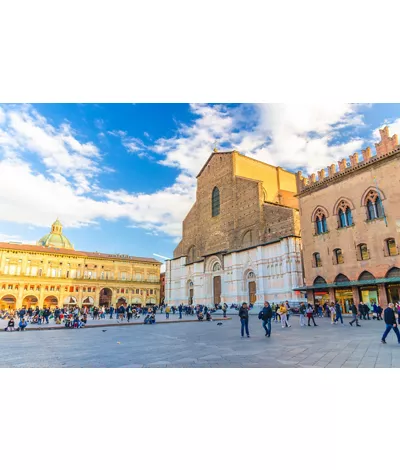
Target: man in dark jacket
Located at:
point(361, 310)
point(338, 311)
point(266, 313)
point(366, 312)
point(390, 320)
point(244, 319)
point(353, 310)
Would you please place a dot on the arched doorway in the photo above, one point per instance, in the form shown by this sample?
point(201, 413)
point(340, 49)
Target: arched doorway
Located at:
point(137, 302)
point(190, 292)
point(30, 301)
point(121, 301)
point(151, 301)
point(105, 297)
point(217, 289)
point(88, 302)
point(70, 301)
point(50, 301)
point(8, 302)
point(252, 288)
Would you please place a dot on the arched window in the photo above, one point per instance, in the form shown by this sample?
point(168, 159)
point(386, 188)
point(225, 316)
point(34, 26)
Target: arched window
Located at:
point(317, 263)
point(338, 256)
point(391, 247)
point(363, 252)
point(215, 202)
point(320, 222)
point(344, 214)
point(374, 206)
point(319, 280)
point(247, 239)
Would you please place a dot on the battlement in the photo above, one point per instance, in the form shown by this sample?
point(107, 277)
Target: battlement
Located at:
point(387, 145)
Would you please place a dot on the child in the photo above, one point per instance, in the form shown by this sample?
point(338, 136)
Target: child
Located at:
point(11, 324)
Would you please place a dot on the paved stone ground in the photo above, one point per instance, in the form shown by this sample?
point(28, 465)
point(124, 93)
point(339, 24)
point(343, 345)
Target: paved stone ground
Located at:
point(203, 344)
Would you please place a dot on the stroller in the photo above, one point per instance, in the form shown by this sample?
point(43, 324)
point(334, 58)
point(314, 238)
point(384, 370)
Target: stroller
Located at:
point(208, 316)
point(200, 316)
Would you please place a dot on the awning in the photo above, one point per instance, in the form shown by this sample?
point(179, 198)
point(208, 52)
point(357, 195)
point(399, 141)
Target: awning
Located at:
point(368, 282)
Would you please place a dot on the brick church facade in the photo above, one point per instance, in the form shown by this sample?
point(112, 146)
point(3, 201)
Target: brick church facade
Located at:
point(350, 226)
point(240, 239)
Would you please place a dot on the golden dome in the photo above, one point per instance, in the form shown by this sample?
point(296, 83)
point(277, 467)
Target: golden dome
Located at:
point(55, 239)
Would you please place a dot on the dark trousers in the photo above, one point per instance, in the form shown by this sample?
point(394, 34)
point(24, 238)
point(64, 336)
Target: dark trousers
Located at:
point(311, 318)
point(267, 326)
point(339, 316)
point(387, 331)
point(245, 325)
point(354, 320)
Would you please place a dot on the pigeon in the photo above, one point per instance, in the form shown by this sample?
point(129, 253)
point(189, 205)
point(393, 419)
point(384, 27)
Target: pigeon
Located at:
point(103, 331)
point(219, 324)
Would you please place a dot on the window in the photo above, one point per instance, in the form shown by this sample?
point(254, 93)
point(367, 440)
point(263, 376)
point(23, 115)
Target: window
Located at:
point(391, 247)
point(345, 215)
point(123, 276)
point(374, 206)
point(317, 263)
point(338, 256)
point(320, 222)
point(363, 252)
point(215, 202)
point(138, 277)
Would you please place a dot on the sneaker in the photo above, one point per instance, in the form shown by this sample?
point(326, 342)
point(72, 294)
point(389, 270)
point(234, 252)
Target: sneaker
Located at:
point(351, 324)
point(248, 336)
point(283, 327)
point(290, 326)
point(383, 341)
point(358, 325)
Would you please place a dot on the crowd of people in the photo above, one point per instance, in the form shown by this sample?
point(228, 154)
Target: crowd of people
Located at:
point(281, 313)
point(74, 317)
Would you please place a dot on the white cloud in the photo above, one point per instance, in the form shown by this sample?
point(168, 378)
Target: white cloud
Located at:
point(394, 128)
point(2, 116)
point(58, 149)
point(286, 135)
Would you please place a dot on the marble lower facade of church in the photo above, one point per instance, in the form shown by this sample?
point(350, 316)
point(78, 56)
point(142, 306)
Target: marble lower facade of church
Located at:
point(266, 272)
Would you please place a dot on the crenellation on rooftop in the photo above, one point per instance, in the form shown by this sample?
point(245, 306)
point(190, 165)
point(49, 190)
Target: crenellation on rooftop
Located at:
point(387, 146)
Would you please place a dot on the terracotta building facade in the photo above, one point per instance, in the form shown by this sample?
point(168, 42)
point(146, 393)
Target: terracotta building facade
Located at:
point(240, 239)
point(350, 225)
point(53, 273)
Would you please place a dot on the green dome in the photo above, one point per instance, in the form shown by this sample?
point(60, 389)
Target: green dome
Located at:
point(55, 239)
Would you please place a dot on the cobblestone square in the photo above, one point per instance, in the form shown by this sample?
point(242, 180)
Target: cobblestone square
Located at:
point(204, 344)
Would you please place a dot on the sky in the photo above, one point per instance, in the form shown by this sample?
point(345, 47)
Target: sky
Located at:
point(122, 177)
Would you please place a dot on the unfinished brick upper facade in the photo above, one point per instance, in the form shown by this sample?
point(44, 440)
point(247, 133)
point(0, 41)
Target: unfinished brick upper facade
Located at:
point(252, 211)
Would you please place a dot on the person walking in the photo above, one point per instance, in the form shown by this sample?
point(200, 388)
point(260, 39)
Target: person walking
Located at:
point(283, 315)
point(266, 316)
point(333, 313)
point(366, 311)
point(244, 319)
point(390, 320)
point(224, 309)
point(167, 309)
point(338, 312)
point(302, 311)
point(310, 315)
point(361, 310)
point(354, 313)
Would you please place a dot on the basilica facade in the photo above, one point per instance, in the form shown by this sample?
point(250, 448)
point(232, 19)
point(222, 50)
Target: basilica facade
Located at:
point(241, 239)
point(53, 273)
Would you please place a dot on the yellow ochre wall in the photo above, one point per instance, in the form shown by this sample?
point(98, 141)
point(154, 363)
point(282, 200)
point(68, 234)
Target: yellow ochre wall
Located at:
point(273, 178)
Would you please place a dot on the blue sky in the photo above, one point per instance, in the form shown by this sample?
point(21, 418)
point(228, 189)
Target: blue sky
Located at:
point(121, 177)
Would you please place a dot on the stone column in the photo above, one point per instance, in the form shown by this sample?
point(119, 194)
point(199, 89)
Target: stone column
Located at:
point(356, 295)
point(310, 297)
point(383, 301)
point(332, 295)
